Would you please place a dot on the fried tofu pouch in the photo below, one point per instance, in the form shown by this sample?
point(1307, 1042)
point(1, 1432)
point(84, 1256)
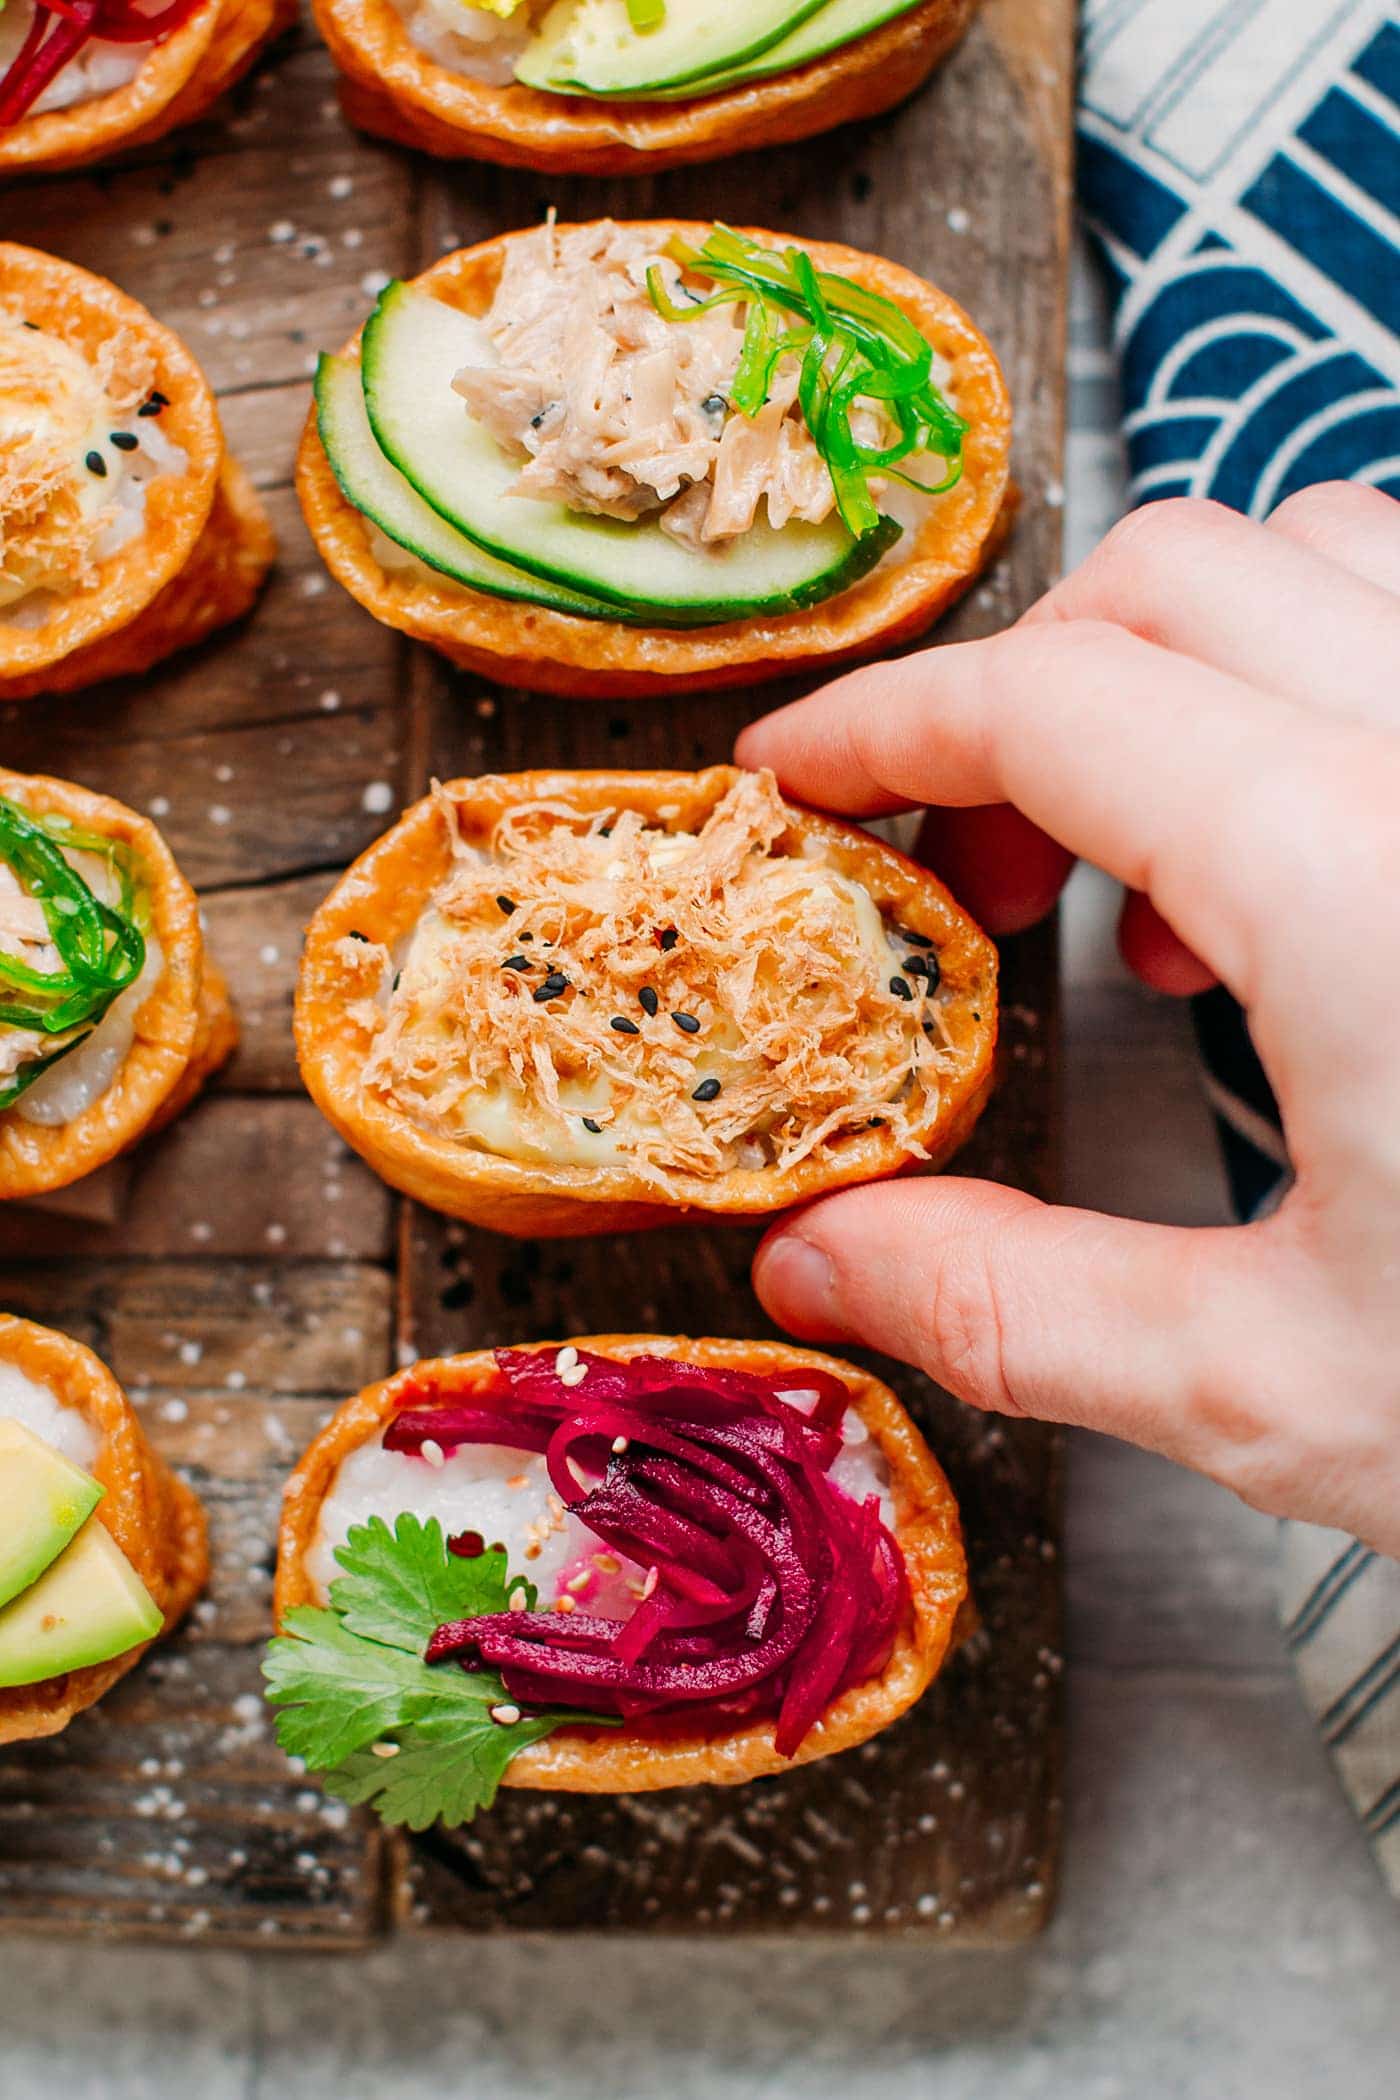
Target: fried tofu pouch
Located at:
point(158, 1522)
point(664, 1752)
point(181, 78)
point(185, 1028)
point(206, 544)
point(546, 651)
point(392, 89)
point(382, 896)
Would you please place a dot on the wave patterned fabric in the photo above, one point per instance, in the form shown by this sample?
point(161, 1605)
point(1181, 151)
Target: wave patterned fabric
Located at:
point(1239, 163)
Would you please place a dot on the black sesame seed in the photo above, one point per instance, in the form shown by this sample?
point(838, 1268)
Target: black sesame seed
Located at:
point(650, 1003)
point(915, 966)
point(915, 940)
point(398, 980)
point(31, 324)
point(355, 935)
point(623, 1026)
point(667, 939)
point(506, 904)
point(901, 988)
point(154, 402)
point(595, 1128)
point(124, 440)
point(933, 974)
point(553, 985)
point(687, 1023)
point(706, 1091)
point(876, 1123)
point(527, 936)
point(516, 962)
point(96, 464)
point(715, 405)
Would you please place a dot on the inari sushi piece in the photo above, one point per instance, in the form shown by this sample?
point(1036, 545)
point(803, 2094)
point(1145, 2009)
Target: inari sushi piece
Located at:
point(88, 78)
point(562, 1003)
point(646, 1561)
point(102, 1548)
point(111, 1014)
point(577, 87)
point(617, 459)
point(126, 531)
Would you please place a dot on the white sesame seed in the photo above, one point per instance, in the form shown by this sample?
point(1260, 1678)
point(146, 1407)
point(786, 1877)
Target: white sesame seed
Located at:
point(505, 1716)
point(619, 1445)
point(649, 1586)
point(519, 1601)
point(385, 1749)
point(565, 1360)
point(433, 1452)
point(575, 1375)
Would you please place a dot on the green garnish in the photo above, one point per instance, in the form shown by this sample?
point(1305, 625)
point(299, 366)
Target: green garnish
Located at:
point(101, 947)
point(646, 14)
point(360, 1706)
point(855, 347)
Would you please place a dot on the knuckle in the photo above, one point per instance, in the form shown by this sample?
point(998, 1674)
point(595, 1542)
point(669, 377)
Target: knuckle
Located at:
point(1319, 514)
point(968, 1333)
point(1140, 543)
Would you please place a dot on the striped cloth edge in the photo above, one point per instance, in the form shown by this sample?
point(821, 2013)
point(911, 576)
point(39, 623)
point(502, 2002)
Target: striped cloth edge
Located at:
point(1239, 169)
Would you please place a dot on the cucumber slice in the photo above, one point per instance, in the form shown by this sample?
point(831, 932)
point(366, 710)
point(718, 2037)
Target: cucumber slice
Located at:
point(839, 22)
point(590, 46)
point(412, 347)
point(380, 493)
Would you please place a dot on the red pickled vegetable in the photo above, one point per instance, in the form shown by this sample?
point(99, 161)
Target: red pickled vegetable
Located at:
point(59, 31)
point(769, 1591)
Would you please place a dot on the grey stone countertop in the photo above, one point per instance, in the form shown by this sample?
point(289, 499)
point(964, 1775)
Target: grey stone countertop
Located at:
point(1222, 1933)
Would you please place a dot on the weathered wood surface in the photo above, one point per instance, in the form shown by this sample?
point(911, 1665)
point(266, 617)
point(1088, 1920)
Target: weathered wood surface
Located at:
point(259, 1273)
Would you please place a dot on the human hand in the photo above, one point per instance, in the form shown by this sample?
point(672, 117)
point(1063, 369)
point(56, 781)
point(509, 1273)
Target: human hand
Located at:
point(1209, 709)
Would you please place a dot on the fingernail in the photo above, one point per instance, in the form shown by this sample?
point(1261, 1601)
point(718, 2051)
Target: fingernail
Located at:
point(798, 1282)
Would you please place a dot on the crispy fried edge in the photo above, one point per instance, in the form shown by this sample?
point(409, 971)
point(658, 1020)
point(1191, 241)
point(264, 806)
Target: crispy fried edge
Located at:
point(384, 892)
point(157, 1521)
point(391, 88)
point(578, 1760)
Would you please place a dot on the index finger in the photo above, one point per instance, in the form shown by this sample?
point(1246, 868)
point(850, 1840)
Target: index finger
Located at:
point(1179, 779)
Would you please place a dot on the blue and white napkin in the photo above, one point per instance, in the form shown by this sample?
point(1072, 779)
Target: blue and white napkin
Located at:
point(1239, 168)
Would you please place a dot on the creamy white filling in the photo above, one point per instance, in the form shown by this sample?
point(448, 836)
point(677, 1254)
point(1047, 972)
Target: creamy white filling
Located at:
point(98, 68)
point(470, 40)
point(506, 1497)
point(71, 1086)
point(36, 1408)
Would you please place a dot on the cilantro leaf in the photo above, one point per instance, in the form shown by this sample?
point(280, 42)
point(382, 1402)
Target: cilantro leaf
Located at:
point(399, 1586)
point(446, 1768)
point(359, 1705)
point(338, 1692)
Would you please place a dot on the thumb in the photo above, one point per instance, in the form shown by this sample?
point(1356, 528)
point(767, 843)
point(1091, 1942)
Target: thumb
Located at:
point(1149, 1332)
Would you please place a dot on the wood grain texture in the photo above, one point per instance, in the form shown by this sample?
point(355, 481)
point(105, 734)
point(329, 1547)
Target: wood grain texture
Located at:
point(258, 1273)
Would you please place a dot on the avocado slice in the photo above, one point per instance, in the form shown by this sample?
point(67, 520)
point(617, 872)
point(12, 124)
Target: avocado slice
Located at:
point(44, 1502)
point(591, 47)
point(839, 22)
point(88, 1607)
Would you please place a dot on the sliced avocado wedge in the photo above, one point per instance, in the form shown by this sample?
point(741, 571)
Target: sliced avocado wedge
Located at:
point(44, 1502)
point(839, 22)
point(590, 46)
point(412, 347)
point(86, 1608)
point(379, 492)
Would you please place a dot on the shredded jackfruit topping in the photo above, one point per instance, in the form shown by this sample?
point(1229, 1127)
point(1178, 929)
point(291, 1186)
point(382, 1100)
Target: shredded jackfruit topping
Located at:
point(57, 411)
point(595, 989)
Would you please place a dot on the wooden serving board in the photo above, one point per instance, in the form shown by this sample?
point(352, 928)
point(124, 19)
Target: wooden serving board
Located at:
point(258, 1272)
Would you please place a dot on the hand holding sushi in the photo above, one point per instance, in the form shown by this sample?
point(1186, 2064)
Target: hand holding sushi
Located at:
point(1208, 710)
